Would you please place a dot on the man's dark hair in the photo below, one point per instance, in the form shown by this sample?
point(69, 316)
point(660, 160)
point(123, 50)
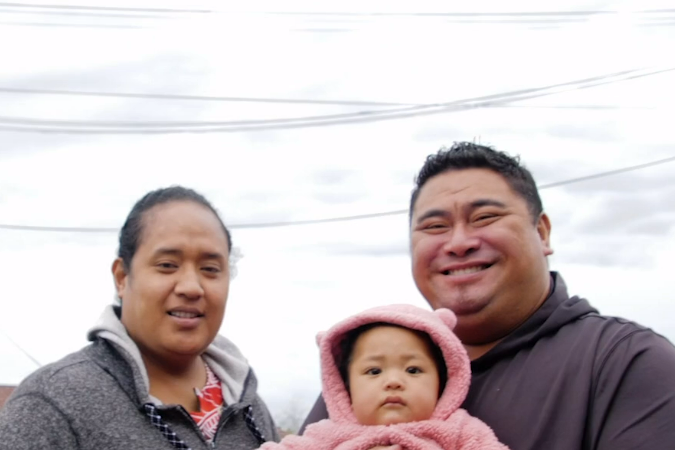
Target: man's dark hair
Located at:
point(132, 230)
point(467, 155)
point(346, 352)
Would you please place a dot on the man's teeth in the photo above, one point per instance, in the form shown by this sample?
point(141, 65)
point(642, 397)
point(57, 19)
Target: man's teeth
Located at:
point(466, 270)
point(184, 315)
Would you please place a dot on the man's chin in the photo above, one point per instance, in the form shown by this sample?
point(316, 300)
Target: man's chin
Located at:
point(463, 308)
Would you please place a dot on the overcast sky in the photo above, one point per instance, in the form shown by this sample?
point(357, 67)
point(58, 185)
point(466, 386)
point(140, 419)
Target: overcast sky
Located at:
point(581, 88)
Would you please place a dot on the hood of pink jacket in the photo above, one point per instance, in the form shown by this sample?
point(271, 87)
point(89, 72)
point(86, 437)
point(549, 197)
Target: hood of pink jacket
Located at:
point(437, 324)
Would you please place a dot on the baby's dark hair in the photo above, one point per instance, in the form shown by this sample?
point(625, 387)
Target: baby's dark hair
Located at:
point(344, 359)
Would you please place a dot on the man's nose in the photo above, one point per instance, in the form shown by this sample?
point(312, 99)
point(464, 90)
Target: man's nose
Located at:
point(462, 241)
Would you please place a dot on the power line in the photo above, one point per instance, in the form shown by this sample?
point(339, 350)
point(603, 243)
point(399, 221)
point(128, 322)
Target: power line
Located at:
point(164, 127)
point(28, 355)
point(504, 18)
point(342, 218)
point(69, 25)
point(119, 15)
point(464, 14)
point(344, 14)
point(208, 98)
point(608, 173)
point(103, 8)
point(226, 99)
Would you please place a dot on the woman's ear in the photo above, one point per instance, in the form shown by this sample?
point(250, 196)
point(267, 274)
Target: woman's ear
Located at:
point(119, 277)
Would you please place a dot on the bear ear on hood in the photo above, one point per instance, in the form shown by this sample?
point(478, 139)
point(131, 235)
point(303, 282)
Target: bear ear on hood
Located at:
point(448, 317)
point(319, 337)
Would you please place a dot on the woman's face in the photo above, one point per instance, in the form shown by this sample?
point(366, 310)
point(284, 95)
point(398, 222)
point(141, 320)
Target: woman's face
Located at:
point(174, 294)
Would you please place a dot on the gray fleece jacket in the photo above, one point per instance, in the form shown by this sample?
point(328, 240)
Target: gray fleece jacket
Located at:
point(98, 398)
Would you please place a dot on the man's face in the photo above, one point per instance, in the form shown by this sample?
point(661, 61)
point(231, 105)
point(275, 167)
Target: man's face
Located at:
point(477, 251)
point(174, 294)
point(392, 377)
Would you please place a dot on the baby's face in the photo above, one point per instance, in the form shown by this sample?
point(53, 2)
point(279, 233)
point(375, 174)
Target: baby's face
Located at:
point(392, 377)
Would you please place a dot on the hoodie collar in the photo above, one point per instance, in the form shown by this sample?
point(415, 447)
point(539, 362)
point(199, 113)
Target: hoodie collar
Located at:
point(222, 356)
point(556, 311)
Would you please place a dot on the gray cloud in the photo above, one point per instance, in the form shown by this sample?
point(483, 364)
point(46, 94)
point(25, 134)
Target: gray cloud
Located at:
point(657, 226)
point(627, 183)
point(388, 248)
point(443, 134)
point(638, 213)
point(606, 131)
point(127, 76)
point(337, 186)
point(332, 177)
point(17, 143)
point(613, 248)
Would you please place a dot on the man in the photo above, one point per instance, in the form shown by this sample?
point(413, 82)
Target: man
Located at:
point(548, 371)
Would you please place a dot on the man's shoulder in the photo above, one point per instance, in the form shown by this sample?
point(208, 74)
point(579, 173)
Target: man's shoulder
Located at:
point(609, 334)
point(610, 328)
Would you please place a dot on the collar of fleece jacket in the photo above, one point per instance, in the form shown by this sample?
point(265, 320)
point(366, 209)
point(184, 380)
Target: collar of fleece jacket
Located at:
point(437, 324)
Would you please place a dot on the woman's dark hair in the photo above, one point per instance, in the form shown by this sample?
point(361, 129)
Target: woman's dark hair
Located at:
point(346, 349)
point(132, 230)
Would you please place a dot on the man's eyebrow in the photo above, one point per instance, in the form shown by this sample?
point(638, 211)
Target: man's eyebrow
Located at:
point(473, 205)
point(432, 213)
point(486, 202)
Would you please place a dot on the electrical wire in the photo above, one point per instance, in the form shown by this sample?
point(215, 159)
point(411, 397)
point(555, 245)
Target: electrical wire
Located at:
point(102, 8)
point(337, 219)
point(28, 355)
point(207, 98)
point(166, 127)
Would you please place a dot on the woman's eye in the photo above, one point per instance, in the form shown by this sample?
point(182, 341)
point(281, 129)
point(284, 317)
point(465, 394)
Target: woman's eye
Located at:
point(414, 370)
point(374, 371)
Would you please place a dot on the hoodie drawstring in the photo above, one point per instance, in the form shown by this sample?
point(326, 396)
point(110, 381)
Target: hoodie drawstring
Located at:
point(250, 423)
point(167, 432)
point(177, 442)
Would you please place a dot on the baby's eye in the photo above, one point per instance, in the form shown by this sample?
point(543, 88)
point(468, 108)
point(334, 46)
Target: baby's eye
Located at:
point(374, 371)
point(414, 370)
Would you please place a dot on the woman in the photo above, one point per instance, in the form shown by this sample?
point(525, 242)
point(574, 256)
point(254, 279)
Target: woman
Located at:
point(157, 375)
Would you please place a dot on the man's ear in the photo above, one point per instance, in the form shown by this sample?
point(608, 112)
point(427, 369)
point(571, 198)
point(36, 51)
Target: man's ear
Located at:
point(119, 276)
point(544, 231)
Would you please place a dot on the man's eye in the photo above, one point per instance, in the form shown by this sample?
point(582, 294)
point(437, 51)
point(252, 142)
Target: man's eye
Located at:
point(414, 370)
point(485, 217)
point(166, 265)
point(211, 269)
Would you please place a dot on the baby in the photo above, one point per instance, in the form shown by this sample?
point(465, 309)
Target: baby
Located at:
point(394, 375)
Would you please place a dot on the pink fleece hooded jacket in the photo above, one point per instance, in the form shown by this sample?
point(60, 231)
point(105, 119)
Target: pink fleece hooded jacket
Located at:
point(449, 428)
